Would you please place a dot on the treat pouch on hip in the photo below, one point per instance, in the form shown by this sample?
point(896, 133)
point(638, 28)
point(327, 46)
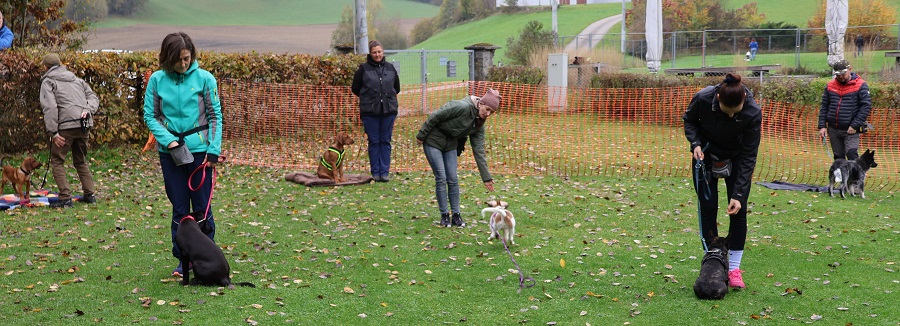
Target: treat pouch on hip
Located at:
point(720, 168)
point(181, 154)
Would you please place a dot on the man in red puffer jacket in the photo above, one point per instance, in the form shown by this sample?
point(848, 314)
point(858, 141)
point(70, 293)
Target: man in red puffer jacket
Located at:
point(845, 107)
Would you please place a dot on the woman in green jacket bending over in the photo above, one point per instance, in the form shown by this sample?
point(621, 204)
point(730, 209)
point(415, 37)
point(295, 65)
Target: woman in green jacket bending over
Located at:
point(440, 136)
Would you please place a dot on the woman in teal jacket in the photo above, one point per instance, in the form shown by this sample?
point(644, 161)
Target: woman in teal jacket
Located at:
point(182, 110)
point(440, 137)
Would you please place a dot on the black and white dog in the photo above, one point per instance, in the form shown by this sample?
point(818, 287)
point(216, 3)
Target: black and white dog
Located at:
point(851, 175)
point(712, 284)
point(203, 256)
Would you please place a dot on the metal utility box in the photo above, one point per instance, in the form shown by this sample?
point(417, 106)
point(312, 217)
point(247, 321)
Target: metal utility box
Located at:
point(557, 81)
point(451, 68)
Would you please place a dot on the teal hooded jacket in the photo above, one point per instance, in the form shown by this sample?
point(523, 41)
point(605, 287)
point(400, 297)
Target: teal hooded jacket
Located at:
point(176, 103)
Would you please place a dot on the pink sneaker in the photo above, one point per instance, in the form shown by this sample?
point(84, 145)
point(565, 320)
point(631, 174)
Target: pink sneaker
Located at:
point(735, 279)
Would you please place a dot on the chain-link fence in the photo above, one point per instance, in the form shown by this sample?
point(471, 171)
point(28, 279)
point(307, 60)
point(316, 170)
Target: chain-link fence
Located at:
point(796, 47)
point(421, 69)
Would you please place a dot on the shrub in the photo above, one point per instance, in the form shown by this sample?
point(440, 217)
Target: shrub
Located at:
point(516, 74)
point(118, 82)
point(531, 38)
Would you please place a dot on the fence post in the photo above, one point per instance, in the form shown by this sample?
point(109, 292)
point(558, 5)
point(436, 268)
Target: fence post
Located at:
point(483, 61)
point(424, 77)
point(703, 49)
point(797, 45)
point(674, 41)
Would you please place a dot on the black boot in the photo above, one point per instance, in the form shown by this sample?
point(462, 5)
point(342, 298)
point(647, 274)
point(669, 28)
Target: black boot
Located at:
point(458, 221)
point(445, 220)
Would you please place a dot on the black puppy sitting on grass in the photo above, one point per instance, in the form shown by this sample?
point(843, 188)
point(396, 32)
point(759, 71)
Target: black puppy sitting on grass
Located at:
point(203, 256)
point(712, 284)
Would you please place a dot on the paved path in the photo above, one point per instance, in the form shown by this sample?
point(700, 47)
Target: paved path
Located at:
point(593, 34)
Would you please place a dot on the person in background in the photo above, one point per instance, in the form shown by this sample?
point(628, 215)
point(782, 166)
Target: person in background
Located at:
point(723, 126)
point(441, 136)
point(845, 107)
point(6, 35)
point(753, 48)
point(860, 42)
point(377, 84)
point(69, 104)
point(182, 110)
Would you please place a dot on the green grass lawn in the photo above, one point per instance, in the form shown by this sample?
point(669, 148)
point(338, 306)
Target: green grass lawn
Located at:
point(256, 12)
point(795, 12)
point(870, 61)
point(603, 251)
point(496, 29)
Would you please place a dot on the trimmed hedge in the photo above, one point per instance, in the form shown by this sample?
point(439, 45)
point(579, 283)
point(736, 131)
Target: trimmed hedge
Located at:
point(806, 91)
point(117, 80)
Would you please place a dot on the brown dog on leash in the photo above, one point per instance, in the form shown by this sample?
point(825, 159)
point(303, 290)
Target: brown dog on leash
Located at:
point(19, 178)
point(331, 166)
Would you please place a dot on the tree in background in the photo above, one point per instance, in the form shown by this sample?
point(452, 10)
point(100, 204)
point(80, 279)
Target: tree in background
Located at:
point(125, 7)
point(696, 15)
point(43, 24)
point(381, 27)
point(532, 38)
point(861, 13)
point(424, 29)
point(90, 10)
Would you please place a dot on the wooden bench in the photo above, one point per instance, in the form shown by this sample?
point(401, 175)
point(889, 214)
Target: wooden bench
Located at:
point(721, 71)
point(893, 54)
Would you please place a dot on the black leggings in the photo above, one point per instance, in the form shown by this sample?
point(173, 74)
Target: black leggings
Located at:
point(708, 194)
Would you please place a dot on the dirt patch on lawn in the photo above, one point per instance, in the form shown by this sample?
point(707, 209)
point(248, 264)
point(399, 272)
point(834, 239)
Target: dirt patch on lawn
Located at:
point(310, 39)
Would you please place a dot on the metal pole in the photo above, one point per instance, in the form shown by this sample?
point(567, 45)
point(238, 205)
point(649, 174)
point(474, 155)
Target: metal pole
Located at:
point(554, 6)
point(623, 27)
point(674, 41)
point(797, 41)
point(703, 51)
point(423, 74)
point(362, 26)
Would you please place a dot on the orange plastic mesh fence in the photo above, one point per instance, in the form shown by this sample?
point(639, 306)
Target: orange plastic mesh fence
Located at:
point(610, 132)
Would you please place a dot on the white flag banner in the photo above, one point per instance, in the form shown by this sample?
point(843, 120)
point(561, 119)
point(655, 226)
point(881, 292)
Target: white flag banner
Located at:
point(836, 18)
point(654, 34)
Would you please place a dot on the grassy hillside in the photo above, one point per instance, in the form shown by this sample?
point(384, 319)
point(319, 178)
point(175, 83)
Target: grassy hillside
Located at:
point(795, 12)
point(256, 12)
point(496, 29)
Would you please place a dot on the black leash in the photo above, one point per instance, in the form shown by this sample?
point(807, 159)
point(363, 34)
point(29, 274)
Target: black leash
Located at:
point(700, 172)
point(522, 277)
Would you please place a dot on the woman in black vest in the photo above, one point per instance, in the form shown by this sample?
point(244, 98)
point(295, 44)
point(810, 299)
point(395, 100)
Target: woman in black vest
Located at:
point(377, 84)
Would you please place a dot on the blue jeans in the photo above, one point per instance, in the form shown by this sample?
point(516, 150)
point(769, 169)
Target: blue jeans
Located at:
point(446, 182)
point(753, 54)
point(379, 129)
point(184, 201)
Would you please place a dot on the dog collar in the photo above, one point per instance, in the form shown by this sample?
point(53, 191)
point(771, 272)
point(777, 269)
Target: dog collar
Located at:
point(23, 171)
point(187, 217)
point(716, 254)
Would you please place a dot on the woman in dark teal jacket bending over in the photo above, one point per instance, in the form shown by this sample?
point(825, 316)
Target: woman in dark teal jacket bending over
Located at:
point(182, 110)
point(440, 136)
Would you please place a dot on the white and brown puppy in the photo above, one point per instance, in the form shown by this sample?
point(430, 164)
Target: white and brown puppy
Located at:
point(501, 219)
